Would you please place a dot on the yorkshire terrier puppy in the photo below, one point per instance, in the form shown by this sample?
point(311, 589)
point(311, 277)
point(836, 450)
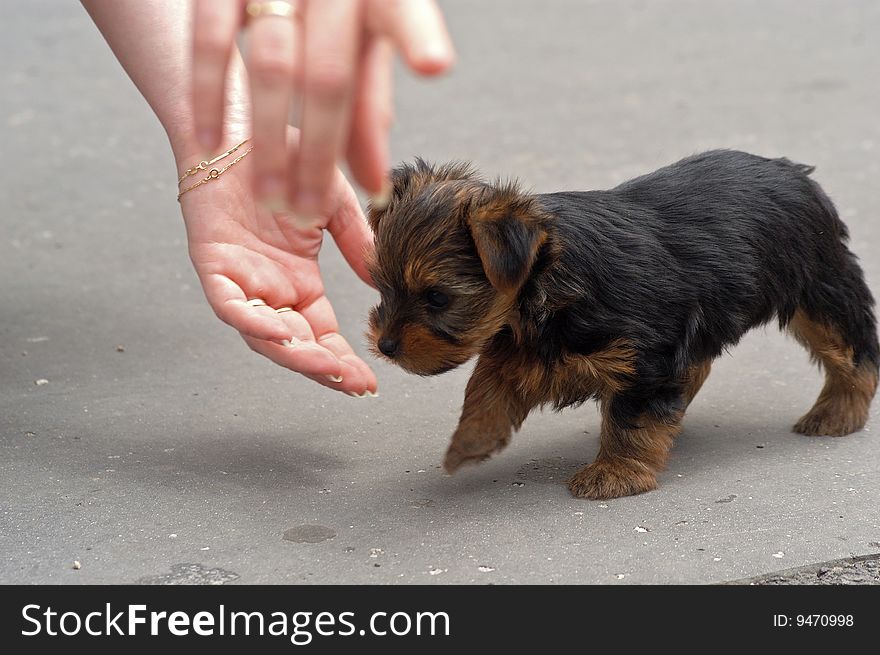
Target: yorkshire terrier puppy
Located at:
point(624, 296)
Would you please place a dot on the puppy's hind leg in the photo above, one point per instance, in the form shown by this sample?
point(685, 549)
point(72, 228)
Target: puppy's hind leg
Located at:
point(850, 379)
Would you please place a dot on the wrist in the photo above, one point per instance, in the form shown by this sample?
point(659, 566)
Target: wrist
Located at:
point(187, 151)
point(181, 130)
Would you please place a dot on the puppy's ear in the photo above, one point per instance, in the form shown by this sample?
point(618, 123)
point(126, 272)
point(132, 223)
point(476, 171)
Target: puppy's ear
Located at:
point(507, 228)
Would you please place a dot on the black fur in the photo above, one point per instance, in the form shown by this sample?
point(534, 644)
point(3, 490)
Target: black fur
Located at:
point(684, 261)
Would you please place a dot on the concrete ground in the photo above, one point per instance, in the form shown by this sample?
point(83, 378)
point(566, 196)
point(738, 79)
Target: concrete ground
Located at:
point(182, 456)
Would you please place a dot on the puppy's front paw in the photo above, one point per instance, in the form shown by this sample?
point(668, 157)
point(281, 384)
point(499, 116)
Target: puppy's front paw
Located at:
point(612, 478)
point(455, 459)
point(469, 450)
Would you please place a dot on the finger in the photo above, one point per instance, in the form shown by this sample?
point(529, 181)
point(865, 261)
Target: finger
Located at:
point(331, 48)
point(357, 376)
point(354, 376)
point(303, 357)
point(351, 232)
point(214, 26)
point(297, 325)
point(271, 60)
point(231, 306)
point(371, 118)
point(417, 29)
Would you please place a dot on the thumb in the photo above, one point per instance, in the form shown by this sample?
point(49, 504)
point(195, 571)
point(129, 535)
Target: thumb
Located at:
point(351, 232)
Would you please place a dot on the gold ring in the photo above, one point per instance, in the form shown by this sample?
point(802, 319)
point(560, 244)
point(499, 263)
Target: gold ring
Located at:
point(256, 302)
point(278, 8)
point(281, 310)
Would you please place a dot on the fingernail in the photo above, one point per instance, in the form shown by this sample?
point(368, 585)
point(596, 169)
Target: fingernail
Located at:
point(208, 137)
point(381, 199)
point(334, 378)
point(372, 394)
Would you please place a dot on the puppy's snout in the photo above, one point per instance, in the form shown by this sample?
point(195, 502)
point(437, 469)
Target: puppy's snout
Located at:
point(388, 347)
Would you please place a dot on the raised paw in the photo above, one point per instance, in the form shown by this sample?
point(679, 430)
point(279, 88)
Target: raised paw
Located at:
point(463, 452)
point(612, 478)
point(455, 459)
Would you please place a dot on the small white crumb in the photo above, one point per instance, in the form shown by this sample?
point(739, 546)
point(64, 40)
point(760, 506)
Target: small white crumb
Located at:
point(173, 535)
point(375, 552)
point(436, 571)
point(420, 471)
point(779, 555)
point(519, 484)
point(324, 491)
point(620, 576)
point(76, 565)
point(716, 559)
point(485, 569)
point(205, 548)
point(41, 382)
point(639, 528)
point(603, 506)
point(578, 513)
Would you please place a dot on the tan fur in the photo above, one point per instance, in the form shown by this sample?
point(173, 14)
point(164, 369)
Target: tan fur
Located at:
point(504, 390)
point(696, 376)
point(629, 458)
point(424, 351)
point(844, 402)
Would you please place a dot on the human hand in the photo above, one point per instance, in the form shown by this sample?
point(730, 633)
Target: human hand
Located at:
point(335, 55)
point(244, 252)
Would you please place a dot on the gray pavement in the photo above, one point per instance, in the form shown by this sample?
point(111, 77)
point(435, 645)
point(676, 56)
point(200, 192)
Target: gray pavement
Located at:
point(187, 458)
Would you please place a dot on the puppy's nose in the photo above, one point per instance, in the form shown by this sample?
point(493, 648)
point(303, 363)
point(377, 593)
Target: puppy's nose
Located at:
point(388, 347)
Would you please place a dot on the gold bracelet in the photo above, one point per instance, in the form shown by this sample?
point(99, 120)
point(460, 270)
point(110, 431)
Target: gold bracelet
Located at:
point(202, 165)
point(214, 173)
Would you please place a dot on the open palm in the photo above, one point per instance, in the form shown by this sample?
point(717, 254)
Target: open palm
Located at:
point(244, 252)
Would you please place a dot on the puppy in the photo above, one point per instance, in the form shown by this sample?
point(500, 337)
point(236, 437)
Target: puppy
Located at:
point(622, 296)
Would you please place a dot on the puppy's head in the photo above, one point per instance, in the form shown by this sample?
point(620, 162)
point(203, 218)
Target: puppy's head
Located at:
point(452, 253)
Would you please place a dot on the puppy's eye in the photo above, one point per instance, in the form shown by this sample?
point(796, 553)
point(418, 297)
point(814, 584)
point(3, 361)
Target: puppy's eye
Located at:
point(437, 299)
